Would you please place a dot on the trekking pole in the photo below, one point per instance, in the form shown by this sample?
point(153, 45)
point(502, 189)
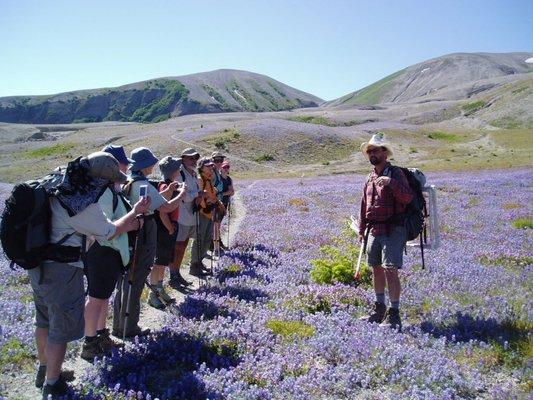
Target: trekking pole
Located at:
point(131, 274)
point(199, 262)
point(229, 220)
point(362, 250)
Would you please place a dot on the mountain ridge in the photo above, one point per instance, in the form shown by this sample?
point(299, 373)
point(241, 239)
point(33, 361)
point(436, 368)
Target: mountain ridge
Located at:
point(153, 100)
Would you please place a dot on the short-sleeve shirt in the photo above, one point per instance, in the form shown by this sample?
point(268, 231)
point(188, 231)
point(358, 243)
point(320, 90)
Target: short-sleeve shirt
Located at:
point(217, 182)
point(155, 196)
point(119, 243)
point(91, 222)
point(227, 183)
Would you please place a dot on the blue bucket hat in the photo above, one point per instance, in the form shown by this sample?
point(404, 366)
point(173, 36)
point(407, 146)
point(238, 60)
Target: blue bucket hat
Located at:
point(142, 158)
point(119, 153)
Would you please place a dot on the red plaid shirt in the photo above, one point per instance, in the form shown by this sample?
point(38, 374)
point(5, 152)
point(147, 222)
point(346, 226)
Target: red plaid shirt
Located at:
point(379, 204)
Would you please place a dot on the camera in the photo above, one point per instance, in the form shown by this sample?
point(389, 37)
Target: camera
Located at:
point(143, 191)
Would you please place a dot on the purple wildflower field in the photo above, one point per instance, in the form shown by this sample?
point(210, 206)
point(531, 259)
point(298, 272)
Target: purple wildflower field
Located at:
point(262, 329)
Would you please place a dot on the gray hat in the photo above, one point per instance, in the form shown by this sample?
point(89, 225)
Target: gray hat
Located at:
point(104, 165)
point(142, 158)
point(190, 152)
point(217, 154)
point(168, 166)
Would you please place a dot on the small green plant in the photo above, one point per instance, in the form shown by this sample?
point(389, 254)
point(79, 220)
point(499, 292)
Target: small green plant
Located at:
point(338, 261)
point(48, 151)
point(413, 150)
point(471, 108)
point(264, 157)
point(13, 352)
point(447, 137)
point(523, 223)
point(290, 329)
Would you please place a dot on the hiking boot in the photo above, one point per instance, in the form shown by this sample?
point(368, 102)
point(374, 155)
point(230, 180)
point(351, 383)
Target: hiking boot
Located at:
point(57, 390)
point(176, 281)
point(166, 297)
point(107, 344)
point(197, 269)
point(378, 315)
point(67, 374)
point(91, 350)
point(137, 331)
point(393, 320)
point(153, 301)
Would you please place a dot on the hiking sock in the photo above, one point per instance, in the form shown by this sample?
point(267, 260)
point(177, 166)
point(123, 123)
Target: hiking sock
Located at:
point(51, 381)
point(395, 304)
point(90, 339)
point(380, 298)
point(100, 332)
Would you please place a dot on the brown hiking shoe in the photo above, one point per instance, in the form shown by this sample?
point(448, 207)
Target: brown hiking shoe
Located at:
point(107, 344)
point(378, 315)
point(91, 350)
point(393, 320)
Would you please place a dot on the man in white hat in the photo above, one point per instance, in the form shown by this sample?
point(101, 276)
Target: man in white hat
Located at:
point(385, 196)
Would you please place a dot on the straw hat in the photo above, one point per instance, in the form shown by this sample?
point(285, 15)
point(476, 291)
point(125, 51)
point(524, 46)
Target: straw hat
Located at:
point(377, 140)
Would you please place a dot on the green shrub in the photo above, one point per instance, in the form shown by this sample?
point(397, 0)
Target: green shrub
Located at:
point(264, 157)
point(290, 329)
point(471, 108)
point(47, 151)
point(447, 137)
point(13, 352)
point(338, 264)
point(523, 223)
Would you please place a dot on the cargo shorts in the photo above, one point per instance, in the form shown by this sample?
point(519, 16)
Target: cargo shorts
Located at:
point(59, 300)
point(387, 250)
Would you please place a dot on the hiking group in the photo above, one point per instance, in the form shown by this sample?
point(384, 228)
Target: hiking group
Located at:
point(124, 231)
point(120, 232)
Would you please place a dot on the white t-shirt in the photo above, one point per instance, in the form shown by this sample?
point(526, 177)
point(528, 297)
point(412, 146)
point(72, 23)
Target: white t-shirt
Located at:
point(91, 222)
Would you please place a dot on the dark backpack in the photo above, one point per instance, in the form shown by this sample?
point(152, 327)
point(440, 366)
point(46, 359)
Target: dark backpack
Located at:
point(415, 211)
point(25, 225)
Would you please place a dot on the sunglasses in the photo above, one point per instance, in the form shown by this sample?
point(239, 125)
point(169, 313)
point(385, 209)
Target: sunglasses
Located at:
point(227, 167)
point(218, 160)
point(374, 150)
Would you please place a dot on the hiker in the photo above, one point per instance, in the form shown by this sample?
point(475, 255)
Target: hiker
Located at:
point(218, 159)
point(385, 196)
point(209, 207)
point(187, 217)
point(106, 261)
point(58, 289)
point(142, 167)
point(227, 190)
point(167, 230)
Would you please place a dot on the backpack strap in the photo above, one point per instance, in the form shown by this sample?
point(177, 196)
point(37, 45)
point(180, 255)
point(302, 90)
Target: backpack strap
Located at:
point(115, 201)
point(182, 175)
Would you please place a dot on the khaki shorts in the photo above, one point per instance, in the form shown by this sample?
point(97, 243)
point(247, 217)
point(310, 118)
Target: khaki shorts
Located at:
point(387, 250)
point(185, 232)
point(59, 300)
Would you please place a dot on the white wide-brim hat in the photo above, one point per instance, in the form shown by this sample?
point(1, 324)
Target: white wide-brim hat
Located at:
point(377, 140)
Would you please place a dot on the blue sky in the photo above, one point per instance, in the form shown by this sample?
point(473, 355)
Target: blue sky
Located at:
point(328, 48)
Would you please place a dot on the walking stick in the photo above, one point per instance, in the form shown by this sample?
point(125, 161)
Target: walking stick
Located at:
point(362, 250)
point(229, 220)
point(131, 274)
point(199, 262)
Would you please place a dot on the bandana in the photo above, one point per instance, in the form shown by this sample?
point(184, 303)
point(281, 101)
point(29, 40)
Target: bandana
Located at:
point(78, 189)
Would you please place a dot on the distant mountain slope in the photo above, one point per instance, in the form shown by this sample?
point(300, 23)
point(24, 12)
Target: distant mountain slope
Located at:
point(158, 99)
point(431, 78)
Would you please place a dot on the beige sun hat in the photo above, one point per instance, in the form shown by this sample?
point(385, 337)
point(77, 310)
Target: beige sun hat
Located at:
point(104, 165)
point(377, 140)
